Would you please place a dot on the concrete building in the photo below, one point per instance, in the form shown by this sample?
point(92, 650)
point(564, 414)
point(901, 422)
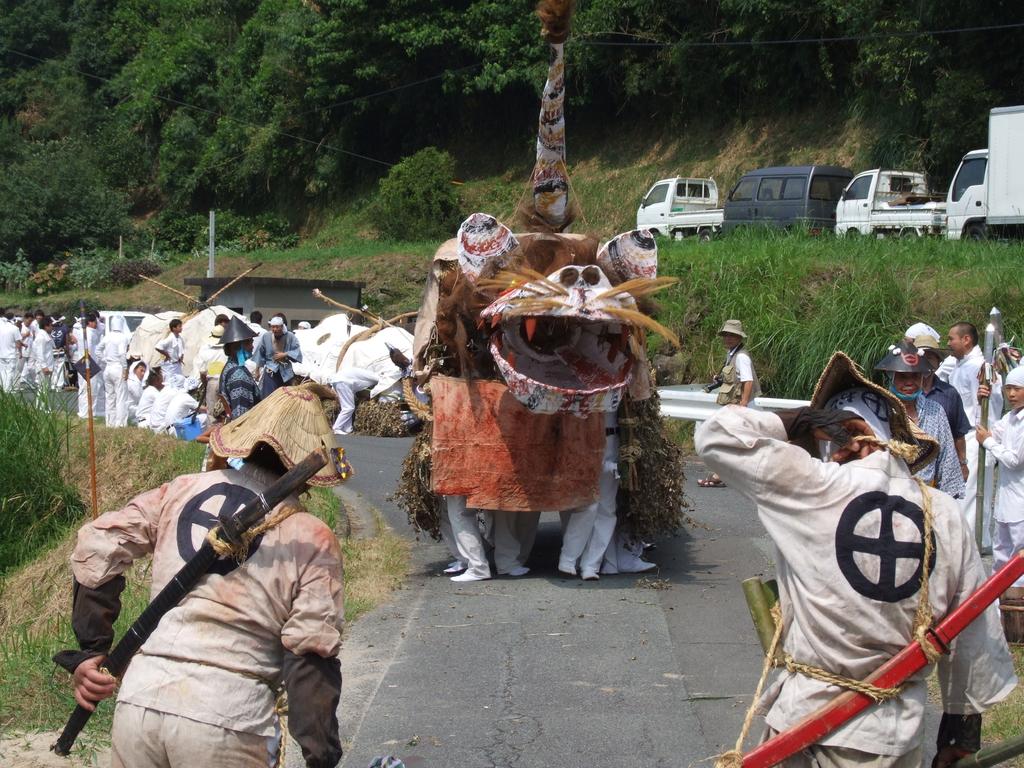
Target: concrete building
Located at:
point(270, 295)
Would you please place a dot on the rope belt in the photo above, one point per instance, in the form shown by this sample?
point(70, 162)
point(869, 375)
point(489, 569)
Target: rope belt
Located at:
point(239, 553)
point(922, 623)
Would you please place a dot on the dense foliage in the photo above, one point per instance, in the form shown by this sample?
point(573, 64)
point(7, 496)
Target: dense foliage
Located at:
point(417, 198)
point(111, 107)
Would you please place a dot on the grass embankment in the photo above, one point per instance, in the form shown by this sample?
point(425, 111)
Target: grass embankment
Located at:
point(35, 597)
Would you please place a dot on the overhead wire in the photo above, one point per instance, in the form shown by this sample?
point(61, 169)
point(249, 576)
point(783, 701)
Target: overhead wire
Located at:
point(791, 41)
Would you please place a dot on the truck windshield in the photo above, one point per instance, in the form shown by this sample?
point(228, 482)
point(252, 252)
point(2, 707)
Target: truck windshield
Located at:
point(827, 187)
point(971, 173)
point(656, 195)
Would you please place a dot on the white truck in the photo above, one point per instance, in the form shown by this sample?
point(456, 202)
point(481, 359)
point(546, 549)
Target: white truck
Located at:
point(890, 203)
point(986, 198)
point(679, 207)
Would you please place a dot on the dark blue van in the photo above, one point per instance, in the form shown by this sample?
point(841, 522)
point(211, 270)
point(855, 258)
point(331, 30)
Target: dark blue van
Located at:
point(787, 197)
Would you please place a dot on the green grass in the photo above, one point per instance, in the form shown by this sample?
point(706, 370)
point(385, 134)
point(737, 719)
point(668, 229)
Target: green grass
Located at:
point(801, 298)
point(37, 502)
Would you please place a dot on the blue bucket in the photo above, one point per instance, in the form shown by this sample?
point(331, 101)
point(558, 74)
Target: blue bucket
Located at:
point(188, 428)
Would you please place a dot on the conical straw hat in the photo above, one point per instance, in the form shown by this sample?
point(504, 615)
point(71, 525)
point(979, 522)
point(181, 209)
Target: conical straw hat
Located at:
point(291, 422)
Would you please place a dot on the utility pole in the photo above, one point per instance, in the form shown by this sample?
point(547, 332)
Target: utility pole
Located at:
point(213, 223)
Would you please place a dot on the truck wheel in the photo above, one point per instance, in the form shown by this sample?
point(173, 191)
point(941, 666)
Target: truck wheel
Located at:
point(909, 233)
point(704, 236)
point(852, 233)
point(976, 231)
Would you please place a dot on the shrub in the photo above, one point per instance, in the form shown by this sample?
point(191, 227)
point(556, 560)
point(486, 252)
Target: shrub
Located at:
point(89, 269)
point(15, 274)
point(127, 271)
point(416, 200)
point(51, 278)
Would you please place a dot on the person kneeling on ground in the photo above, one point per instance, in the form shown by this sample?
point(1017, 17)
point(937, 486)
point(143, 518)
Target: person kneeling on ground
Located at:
point(846, 613)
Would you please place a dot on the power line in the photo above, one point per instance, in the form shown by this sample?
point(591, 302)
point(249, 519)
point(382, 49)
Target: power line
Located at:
point(214, 113)
point(389, 90)
point(795, 41)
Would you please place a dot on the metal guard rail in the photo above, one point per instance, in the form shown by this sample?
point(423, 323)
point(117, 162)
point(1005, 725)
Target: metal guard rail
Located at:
point(697, 405)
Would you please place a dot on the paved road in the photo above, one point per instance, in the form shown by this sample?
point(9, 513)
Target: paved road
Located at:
point(546, 670)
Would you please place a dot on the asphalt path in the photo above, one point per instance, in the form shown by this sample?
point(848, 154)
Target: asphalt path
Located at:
point(546, 670)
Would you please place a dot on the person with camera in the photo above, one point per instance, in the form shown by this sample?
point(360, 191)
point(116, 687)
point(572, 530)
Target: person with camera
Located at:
point(736, 382)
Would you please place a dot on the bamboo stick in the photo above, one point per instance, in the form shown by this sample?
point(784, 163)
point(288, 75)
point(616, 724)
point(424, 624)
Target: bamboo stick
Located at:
point(209, 301)
point(760, 611)
point(364, 313)
point(89, 417)
point(191, 299)
point(993, 755)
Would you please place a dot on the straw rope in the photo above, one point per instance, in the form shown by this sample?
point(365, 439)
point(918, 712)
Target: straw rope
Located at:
point(419, 409)
point(241, 551)
point(922, 623)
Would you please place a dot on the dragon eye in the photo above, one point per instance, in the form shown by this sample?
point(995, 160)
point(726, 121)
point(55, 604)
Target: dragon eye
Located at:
point(569, 276)
point(592, 275)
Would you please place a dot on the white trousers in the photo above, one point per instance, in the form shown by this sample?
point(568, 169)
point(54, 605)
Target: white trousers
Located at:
point(347, 407)
point(146, 738)
point(8, 373)
point(447, 536)
point(969, 503)
point(97, 397)
point(58, 379)
point(586, 532)
point(1007, 540)
point(514, 534)
point(29, 375)
point(115, 394)
point(468, 539)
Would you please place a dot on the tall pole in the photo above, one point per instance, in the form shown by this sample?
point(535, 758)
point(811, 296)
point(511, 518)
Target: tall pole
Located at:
point(88, 400)
point(213, 224)
point(986, 379)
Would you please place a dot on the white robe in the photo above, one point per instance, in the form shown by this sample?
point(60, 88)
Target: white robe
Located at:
point(848, 578)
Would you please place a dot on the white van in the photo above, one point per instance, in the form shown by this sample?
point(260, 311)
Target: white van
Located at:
point(679, 207)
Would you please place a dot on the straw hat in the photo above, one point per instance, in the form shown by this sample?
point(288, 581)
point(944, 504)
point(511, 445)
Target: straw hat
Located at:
point(842, 374)
point(293, 424)
point(734, 327)
point(216, 333)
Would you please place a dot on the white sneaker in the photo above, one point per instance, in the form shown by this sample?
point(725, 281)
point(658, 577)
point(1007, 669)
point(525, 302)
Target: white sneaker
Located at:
point(590, 575)
point(470, 576)
point(569, 569)
point(455, 566)
point(638, 566)
point(519, 570)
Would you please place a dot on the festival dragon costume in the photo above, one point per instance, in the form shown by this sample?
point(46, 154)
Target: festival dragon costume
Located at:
point(527, 339)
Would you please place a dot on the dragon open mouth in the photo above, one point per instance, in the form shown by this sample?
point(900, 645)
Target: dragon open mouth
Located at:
point(567, 342)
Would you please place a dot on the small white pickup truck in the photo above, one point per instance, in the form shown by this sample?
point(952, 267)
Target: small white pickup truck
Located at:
point(681, 206)
point(882, 202)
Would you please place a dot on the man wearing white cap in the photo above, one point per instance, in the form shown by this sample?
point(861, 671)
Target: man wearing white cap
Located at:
point(1005, 442)
point(923, 329)
point(274, 353)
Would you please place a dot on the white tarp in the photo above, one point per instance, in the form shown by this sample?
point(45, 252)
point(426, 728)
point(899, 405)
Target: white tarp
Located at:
point(372, 354)
point(195, 332)
point(320, 346)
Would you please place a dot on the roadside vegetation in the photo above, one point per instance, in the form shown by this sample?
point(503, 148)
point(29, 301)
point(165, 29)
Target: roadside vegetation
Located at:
point(35, 588)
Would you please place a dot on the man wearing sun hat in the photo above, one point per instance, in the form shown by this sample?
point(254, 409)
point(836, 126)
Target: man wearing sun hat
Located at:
point(206, 681)
point(849, 534)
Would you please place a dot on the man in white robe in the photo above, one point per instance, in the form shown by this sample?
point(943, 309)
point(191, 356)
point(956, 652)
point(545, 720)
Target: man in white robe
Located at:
point(10, 338)
point(113, 354)
point(88, 336)
point(849, 551)
point(963, 345)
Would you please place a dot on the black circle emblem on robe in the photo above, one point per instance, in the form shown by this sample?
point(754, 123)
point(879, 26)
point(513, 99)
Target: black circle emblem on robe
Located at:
point(193, 514)
point(887, 548)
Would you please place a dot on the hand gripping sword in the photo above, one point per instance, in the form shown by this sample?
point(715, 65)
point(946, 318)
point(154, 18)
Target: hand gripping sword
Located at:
point(230, 531)
point(907, 662)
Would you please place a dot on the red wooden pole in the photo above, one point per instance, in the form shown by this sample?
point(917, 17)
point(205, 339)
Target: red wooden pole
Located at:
point(911, 659)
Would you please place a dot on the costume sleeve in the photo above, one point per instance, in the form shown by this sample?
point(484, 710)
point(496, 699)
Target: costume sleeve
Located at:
point(258, 356)
point(317, 611)
point(93, 614)
point(948, 477)
point(110, 543)
point(161, 346)
point(1009, 453)
point(294, 350)
point(978, 672)
point(749, 449)
point(313, 684)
